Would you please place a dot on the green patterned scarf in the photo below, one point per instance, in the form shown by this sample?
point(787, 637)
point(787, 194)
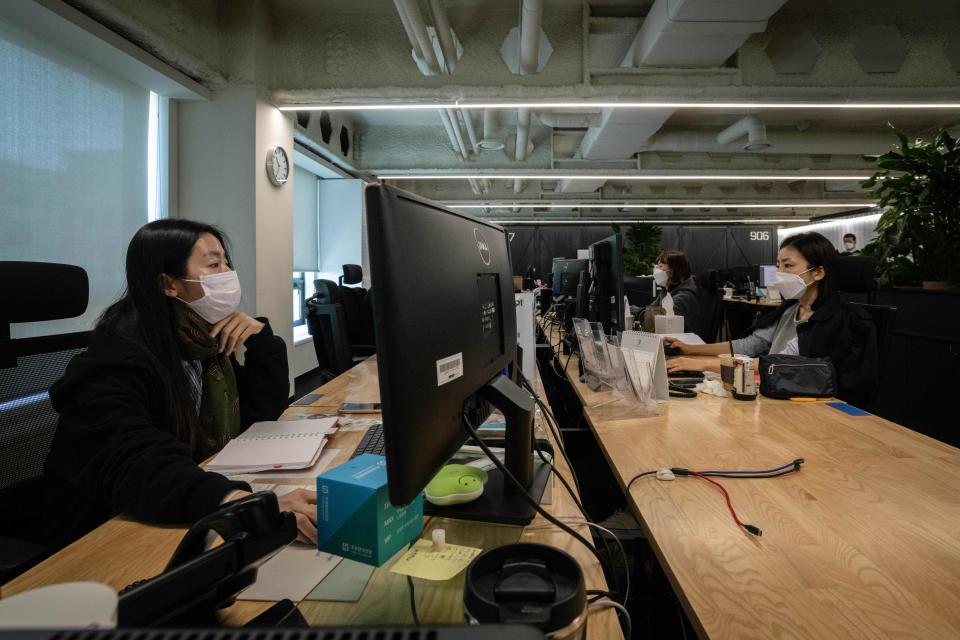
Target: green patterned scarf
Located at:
point(220, 402)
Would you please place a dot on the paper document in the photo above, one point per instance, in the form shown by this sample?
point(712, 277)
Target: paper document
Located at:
point(271, 446)
point(292, 573)
point(689, 338)
point(420, 562)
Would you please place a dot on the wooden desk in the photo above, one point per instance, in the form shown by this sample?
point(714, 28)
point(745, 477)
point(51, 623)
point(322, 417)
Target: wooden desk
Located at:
point(863, 542)
point(756, 303)
point(122, 550)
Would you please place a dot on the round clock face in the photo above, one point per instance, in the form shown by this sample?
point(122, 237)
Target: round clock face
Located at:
point(278, 167)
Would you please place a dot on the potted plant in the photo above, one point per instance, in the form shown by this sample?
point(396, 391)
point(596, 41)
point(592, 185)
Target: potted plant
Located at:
point(918, 234)
point(641, 249)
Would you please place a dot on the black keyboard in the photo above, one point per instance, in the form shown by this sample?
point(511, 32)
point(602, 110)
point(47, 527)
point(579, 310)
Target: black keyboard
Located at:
point(372, 442)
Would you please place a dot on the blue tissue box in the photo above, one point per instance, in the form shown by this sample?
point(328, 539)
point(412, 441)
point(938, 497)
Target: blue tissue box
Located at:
point(354, 516)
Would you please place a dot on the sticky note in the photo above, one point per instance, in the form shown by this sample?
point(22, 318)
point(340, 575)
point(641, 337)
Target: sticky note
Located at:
point(847, 408)
point(421, 562)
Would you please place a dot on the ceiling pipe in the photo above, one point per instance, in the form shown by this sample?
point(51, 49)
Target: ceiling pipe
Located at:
point(570, 120)
point(530, 21)
point(414, 25)
point(750, 126)
point(490, 141)
point(523, 139)
point(471, 131)
point(455, 124)
point(445, 34)
point(781, 142)
point(445, 119)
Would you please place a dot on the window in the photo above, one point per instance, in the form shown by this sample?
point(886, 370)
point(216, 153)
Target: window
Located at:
point(298, 299)
point(73, 166)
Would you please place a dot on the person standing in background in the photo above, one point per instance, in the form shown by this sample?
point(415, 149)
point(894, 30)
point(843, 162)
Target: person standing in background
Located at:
point(849, 245)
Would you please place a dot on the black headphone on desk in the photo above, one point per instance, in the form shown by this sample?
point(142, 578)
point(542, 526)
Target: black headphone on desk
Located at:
point(677, 391)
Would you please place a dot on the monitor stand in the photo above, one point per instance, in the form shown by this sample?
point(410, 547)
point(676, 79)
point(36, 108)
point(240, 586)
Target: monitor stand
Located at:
point(501, 502)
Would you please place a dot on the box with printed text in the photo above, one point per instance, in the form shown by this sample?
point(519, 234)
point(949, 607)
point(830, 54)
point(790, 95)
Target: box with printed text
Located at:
point(354, 516)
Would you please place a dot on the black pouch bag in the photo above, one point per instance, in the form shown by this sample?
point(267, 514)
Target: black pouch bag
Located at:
point(784, 376)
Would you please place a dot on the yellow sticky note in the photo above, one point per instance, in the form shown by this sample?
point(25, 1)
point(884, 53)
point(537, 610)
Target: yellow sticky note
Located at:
point(420, 561)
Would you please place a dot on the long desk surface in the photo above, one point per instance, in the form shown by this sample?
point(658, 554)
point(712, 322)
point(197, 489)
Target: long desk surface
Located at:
point(863, 542)
point(122, 550)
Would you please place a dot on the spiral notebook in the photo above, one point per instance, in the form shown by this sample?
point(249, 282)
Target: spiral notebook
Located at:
point(276, 445)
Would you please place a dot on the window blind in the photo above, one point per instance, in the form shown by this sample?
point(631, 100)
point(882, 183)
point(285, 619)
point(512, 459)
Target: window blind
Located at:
point(306, 228)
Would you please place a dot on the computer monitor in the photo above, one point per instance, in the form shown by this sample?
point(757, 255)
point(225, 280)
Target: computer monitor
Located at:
point(640, 290)
point(566, 275)
point(606, 274)
point(445, 327)
point(765, 274)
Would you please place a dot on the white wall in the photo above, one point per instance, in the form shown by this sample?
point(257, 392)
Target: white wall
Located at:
point(222, 147)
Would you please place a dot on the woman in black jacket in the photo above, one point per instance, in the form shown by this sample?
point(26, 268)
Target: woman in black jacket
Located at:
point(673, 274)
point(159, 390)
point(811, 322)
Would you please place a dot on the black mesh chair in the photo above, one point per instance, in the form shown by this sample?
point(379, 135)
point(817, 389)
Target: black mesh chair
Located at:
point(710, 297)
point(358, 312)
point(325, 321)
point(857, 275)
point(28, 367)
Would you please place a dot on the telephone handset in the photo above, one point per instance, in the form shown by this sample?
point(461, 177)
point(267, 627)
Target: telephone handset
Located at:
point(201, 578)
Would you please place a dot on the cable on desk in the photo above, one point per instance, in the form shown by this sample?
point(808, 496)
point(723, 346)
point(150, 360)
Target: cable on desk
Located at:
point(413, 601)
point(790, 467)
point(612, 604)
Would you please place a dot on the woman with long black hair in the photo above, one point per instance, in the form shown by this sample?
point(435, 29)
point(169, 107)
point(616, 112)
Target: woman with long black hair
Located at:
point(159, 390)
point(811, 322)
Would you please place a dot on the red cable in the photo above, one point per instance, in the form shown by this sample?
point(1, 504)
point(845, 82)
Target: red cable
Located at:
point(725, 495)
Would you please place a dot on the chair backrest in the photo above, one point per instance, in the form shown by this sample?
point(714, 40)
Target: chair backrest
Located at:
point(325, 322)
point(710, 297)
point(855, 274)
point(29, 366)
point(352, 274)
point(884, 317)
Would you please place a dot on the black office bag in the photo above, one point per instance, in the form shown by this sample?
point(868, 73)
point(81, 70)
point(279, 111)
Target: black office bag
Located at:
point(783, 376)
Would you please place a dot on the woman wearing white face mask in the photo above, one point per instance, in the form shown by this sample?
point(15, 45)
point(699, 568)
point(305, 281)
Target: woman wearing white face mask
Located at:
point(159, 390)
point(811, 322)
point(672, 273)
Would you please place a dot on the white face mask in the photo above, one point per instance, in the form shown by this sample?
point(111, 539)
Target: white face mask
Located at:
point(790, 285)
point(660, 277)
point(221, 296)
point(849, 245)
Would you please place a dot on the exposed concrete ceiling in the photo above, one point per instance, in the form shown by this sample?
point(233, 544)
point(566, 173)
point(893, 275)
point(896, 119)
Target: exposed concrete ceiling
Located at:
point(325, 51)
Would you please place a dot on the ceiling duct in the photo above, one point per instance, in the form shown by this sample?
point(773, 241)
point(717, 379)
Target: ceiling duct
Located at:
point(811, 143)
point(750, 126)
point(490, 141)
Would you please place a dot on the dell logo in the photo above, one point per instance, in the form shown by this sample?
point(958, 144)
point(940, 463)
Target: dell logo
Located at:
point(482, 247)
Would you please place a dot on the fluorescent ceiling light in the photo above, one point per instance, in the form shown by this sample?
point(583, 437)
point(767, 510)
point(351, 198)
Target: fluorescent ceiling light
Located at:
point(663, 205)
point(645, 177)
point(601, 104)
point(543, 221)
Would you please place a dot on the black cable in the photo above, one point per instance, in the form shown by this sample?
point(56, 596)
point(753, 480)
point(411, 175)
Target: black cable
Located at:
point(413, 602)
point(595, 594)
point(526, 495)
point(637, 477)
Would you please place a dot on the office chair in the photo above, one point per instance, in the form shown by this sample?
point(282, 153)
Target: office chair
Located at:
point(28, 367)
point(857, 275)
point(325, 322)
point(710, 297)
point(357, 312)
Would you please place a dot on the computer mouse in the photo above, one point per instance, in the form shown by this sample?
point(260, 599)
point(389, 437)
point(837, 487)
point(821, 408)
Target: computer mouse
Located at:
point(456, 484)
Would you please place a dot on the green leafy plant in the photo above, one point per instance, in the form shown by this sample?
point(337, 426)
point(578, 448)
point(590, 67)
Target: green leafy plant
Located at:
point(642, 248)
point(918, 234)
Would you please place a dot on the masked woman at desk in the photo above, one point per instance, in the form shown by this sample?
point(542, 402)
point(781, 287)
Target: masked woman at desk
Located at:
point(811, 322)
point(159, 390)
point(673, 275)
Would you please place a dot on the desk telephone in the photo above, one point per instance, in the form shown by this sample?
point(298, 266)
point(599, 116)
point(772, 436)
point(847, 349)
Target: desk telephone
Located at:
point(201, 578)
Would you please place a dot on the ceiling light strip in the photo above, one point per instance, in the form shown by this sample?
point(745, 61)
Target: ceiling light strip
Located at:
point(661, 205)
point(633, 177)
point(600, 104)
point(544, 221)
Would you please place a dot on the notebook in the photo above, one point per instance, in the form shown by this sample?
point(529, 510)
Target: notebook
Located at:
point(275, 445)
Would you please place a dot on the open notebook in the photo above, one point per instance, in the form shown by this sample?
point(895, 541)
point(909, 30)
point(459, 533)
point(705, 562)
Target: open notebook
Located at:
point(272, 446)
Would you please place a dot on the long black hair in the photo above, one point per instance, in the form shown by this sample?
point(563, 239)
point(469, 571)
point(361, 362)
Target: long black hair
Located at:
point(818, 252)
point(145, 314)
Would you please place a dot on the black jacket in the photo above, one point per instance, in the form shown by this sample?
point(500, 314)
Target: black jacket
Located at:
point(112, 452)
point(843, 333)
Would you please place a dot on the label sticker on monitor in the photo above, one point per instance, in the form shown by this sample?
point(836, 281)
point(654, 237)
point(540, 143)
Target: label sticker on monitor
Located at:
point(449, 368)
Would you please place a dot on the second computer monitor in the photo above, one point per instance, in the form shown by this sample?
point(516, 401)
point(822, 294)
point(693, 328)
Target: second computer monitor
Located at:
point(566, 275)
point(606, 274)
